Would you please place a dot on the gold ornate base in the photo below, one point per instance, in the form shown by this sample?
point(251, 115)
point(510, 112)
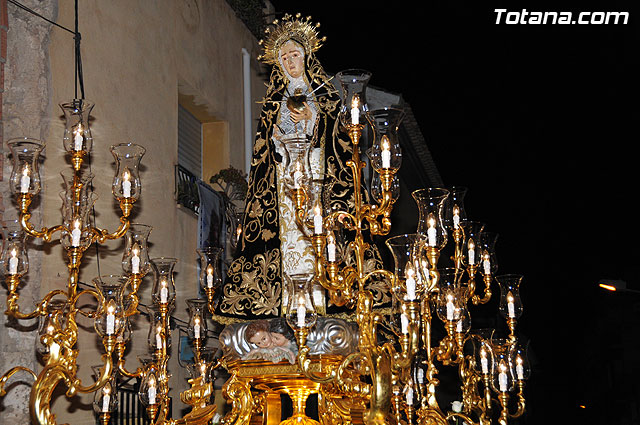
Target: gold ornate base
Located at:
point(255, 388)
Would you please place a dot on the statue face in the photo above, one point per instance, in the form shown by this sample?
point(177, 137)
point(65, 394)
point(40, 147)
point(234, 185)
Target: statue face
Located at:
point(279, 340)
point(262, 339)
point(292, 59)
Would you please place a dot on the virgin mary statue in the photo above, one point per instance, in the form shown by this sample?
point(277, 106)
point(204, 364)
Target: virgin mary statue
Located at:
point(270, 244)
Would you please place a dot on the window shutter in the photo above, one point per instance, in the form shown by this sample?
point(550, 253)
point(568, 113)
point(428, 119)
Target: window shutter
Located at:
point(189, 142)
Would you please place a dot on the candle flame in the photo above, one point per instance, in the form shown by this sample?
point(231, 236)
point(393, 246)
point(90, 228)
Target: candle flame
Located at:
point(111, 307)
point(431, 221)
point(355, 102)
point(386, 145)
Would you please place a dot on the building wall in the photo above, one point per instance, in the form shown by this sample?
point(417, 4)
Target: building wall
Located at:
point(138, 59)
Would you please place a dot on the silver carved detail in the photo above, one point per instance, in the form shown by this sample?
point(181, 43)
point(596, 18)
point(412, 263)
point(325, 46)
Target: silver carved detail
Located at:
point(329, 336)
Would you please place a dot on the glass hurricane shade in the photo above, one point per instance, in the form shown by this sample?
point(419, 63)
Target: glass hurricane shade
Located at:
point(510, 306)
point(354, 109)
point(164, 289)
point(210, 268)
point(301, 311)
point(454, 212)
point(25, 174)
point(430, 202)
point(77, 133)
point(105, 399)
point(15, 261)
point(110, 320)
point(197, 326)
point(126, 183)
point(296, 165)
point(385, 152)
point(407, 265)
point(135, 258)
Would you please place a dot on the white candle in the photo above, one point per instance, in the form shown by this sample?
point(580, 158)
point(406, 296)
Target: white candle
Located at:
point(75, 234)
point(152, 394)
point(111, 324)
point(486, 264)
point(459, 326)
point(431, 232)
point(411, 286)
point(25, 180)
point(519, 368)
point(106, 398)
point(472, 252)
point(502, 379)
point(409, 395)
point(164, 293)
point(420, 376)
point(451, 308)
point(511, 307)
point(209, 276)
point(386, 153)
point(126, 184)
point(456, 216)
point(135, 260)
point(317, 220)
point(484, 362)
point(301, 313)
point(13, 262)
point(77, 138)
point(404, 323)
point(331, 249)
point(196, 328)
point(159, 338)
point(297, 175)
point(355, 112)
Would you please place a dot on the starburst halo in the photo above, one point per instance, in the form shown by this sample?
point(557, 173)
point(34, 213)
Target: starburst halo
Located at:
point(290, 28)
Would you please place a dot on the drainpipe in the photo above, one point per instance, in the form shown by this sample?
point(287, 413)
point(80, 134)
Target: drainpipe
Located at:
point(248, 139)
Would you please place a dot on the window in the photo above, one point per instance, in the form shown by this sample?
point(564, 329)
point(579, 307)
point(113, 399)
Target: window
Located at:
point(189, 169)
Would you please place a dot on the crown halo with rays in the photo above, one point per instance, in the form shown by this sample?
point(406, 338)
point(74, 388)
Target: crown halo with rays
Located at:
point(290, 27)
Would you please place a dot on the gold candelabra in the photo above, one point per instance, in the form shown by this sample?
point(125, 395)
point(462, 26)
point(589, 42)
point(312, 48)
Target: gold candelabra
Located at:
point(115, 295)
point(396, 380)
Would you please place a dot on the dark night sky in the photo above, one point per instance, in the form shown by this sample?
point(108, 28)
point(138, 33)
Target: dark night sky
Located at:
point(537, 122)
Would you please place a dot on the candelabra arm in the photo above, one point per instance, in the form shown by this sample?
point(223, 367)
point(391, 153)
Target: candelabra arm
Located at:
point(102, 235)
point(106, 372)
point(45, 233)
point(42, 391)
point(134, 282)
point(13, 309)
point(487, 292)
point(520, 407)
point(10, 373)
point(462, 416)
point(74, 300)
point(239, 392)
point(121, 365)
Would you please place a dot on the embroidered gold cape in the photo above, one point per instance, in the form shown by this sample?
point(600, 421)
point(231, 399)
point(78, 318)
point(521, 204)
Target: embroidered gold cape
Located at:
point(254, 285)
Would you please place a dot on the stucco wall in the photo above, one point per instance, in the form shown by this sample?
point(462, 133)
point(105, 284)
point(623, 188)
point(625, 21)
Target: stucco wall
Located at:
point(137, 55)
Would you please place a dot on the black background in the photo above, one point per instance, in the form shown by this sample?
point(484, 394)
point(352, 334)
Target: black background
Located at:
point(539, 122)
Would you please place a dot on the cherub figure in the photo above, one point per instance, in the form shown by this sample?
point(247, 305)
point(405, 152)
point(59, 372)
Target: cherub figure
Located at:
point(273, 341)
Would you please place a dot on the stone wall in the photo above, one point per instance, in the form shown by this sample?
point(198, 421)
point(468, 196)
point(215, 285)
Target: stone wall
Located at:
point(137, 61)
point(25, 113)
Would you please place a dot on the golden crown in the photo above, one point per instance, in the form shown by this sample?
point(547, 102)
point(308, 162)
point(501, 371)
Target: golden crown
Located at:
point(290, 28)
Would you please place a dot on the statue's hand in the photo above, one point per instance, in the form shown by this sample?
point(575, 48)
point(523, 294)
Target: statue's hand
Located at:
point(299, 115)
